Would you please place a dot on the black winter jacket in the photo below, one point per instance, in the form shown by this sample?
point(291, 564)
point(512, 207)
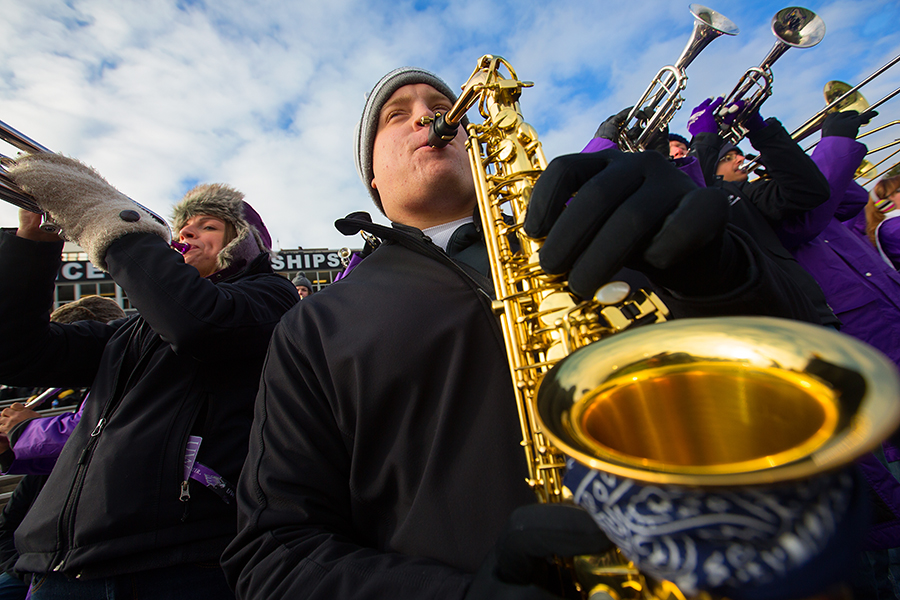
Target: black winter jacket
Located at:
point(189, 364)
point(795, 185)
point(385, 459)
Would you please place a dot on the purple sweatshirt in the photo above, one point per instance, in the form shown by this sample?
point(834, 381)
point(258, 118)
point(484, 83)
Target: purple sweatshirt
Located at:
point(41, 440)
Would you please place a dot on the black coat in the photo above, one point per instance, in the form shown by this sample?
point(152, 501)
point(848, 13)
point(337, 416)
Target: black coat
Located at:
point(385, 459)
point(795, 185)
point(189, 364)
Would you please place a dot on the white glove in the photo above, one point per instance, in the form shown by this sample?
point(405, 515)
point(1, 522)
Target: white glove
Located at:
point(91, 212)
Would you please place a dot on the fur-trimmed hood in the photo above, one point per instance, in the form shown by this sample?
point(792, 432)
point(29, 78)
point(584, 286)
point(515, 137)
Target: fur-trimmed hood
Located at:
point(226, 203)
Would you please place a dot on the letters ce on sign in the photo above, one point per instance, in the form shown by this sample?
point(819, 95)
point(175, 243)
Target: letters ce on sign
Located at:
point(81, 270)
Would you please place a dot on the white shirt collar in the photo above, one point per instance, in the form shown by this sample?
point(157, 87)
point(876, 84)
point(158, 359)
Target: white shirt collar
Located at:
point(441, 234)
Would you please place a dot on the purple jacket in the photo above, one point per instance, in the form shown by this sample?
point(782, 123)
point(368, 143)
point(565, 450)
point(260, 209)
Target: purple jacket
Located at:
point(38, 442)
point(860, 287)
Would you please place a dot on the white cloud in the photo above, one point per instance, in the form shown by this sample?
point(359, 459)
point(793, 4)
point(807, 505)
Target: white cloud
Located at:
point(265, 95)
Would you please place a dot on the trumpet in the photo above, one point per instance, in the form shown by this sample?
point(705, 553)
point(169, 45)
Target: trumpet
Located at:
point(662, 98)
point(13, 194)
point(794, 27)
point(344, 254)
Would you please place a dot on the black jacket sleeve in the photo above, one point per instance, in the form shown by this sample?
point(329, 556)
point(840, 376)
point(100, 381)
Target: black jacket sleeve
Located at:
point(705, 146)
point(295, 524)
point(206, 321)
point(795, 183)
point(34, 351)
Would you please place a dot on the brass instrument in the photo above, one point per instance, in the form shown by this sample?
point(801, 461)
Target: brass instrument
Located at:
point(670, 81)
point(794, 27)
point(344, 254)
point(13, 194)
point(733, 378)
point(869, 171)
point(9, 191)
point(865, 170)
point(839, 96)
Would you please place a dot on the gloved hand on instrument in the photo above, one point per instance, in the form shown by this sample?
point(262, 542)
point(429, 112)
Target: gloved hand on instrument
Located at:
point(753, 121)
point(611, 129)
point(89, 210)
point(846, 123)
point(658, 141)
point(703, 118)
point(635, 210)
point(612, 126)
point(520, 568)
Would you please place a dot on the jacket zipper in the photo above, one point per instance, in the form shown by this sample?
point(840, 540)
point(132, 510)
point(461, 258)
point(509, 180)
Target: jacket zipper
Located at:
point(66, 531)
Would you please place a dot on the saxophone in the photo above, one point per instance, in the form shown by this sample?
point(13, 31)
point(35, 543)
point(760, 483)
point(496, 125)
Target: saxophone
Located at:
point(540, 320)
point(568, 388)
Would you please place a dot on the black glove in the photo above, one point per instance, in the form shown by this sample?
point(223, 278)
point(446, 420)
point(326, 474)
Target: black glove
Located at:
point(610, 128)
point(635, 210)
point(659, 141)
point(519, 567)
point(846, 123)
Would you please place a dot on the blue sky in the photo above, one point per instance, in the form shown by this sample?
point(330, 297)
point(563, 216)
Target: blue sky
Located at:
point(158, 95)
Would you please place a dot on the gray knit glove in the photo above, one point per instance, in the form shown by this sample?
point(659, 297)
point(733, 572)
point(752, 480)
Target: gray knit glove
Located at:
point(91, 212)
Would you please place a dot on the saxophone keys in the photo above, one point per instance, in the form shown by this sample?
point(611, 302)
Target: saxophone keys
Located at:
point(554, 306)
point(613, 292)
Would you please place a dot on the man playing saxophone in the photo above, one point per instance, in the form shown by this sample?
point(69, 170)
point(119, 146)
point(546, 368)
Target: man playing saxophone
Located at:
point(385, 458)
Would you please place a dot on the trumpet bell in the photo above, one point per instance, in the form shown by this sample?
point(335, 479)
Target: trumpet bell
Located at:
point(798, 27)
point(715, 20)
point(720, 402)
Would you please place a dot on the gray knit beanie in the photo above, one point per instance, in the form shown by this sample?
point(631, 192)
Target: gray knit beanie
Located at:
point(301, 279)
point(226, 203)
point(364, 141)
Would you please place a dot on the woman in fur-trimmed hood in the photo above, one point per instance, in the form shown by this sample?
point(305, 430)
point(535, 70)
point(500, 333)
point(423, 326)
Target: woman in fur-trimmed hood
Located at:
point(241, 235)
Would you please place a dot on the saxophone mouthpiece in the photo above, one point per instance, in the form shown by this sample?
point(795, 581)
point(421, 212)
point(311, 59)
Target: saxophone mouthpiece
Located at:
point(441, 132)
